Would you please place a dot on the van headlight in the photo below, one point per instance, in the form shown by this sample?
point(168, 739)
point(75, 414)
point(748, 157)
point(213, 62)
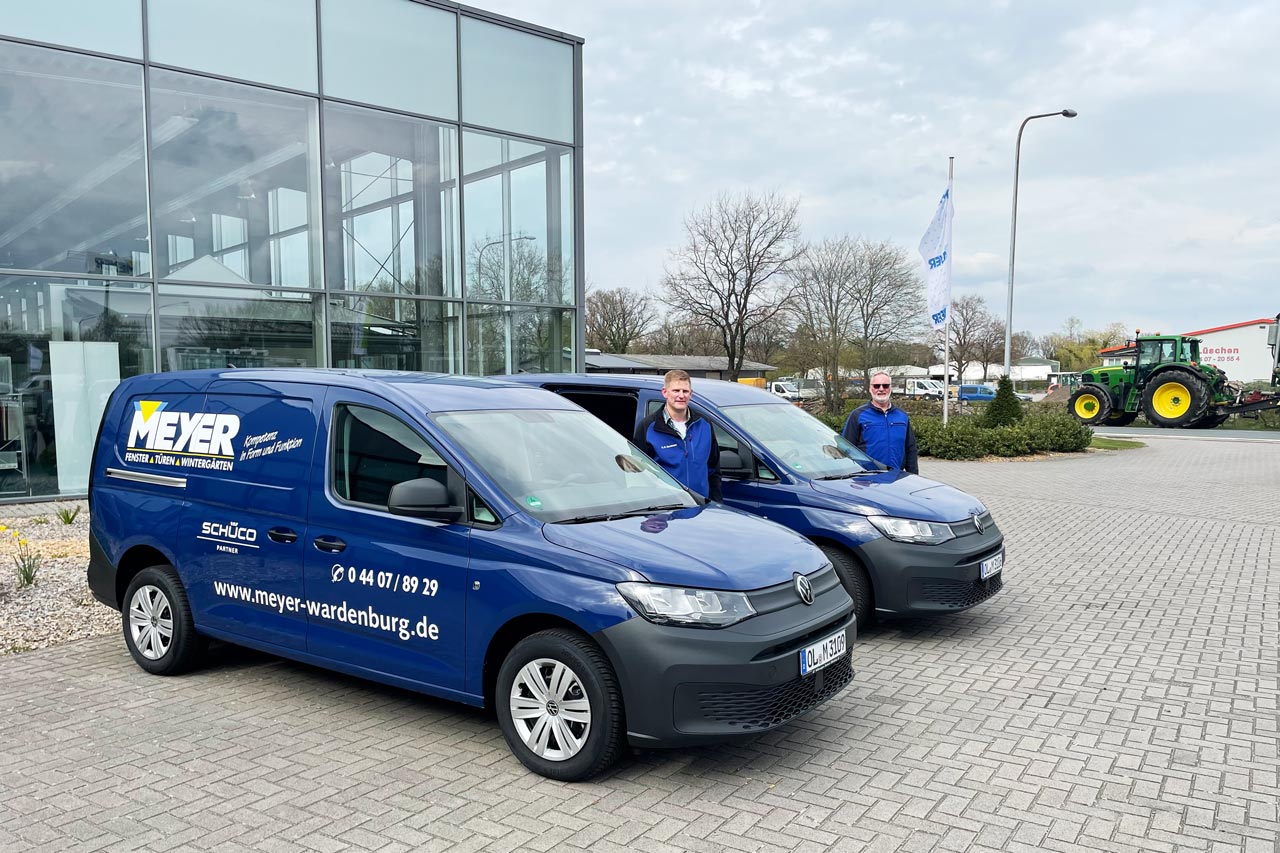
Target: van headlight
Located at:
point(690, 608)
point(910, 530)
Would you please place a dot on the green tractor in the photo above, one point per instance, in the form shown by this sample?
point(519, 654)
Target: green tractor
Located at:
point(1168, 384)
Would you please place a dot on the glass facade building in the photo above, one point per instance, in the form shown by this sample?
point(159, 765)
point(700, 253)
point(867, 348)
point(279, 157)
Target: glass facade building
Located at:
point(307, 183)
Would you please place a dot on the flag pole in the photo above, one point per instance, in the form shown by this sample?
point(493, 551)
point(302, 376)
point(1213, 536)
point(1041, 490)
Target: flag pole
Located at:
point(946, 327)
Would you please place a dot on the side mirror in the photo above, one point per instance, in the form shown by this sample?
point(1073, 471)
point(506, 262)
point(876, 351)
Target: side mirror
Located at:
point(731, 465)
point(424, 498)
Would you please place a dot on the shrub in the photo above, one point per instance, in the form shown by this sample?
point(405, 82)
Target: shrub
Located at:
point(961, 438)
point(68, 513)
point(1005, 409)
point(1056, 432)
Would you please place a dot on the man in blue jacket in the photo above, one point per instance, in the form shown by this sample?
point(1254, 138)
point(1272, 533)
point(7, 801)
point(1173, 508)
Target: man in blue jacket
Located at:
point(681, 440)
point(882, 430)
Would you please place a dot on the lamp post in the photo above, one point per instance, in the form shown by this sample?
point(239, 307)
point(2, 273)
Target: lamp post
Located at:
point(1013, 234)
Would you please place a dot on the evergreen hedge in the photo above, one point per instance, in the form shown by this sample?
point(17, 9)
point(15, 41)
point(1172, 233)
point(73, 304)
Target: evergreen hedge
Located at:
point(1039, 429)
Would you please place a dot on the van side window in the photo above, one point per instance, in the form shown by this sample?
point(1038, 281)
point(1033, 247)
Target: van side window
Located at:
point(373, 451)
point(617, 410)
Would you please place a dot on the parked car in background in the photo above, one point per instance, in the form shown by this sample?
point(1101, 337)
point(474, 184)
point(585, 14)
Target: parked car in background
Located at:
point(918, 388)
point(975, 393)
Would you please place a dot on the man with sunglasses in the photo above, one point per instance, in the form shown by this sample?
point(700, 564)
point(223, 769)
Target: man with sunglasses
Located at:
point(882, 430)
point(681, 440)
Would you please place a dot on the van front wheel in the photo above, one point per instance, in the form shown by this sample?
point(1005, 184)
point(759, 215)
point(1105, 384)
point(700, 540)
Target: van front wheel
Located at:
point(559, 706)
point(158, 628)
point(856, 583)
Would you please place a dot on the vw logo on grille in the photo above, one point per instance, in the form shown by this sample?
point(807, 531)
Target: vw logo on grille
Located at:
point(803, 588)
point(977, 523)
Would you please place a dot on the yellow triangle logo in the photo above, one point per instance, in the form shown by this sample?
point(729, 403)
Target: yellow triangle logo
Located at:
point(148, 408)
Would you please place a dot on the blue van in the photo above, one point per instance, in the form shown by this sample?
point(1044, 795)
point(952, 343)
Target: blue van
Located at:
point(901, 543)
point(473, 539)
point(975, 393)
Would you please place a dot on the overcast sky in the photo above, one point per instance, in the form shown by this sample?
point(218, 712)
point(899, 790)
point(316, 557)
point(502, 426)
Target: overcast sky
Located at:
point(1156, 207)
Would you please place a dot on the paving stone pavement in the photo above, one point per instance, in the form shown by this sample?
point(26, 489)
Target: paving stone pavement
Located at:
point(1120, 694)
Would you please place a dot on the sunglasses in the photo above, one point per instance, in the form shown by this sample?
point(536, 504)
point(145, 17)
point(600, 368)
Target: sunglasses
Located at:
point(875, 385)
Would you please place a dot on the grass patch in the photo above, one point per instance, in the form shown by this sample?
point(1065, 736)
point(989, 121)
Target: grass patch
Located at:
point(1100, 443)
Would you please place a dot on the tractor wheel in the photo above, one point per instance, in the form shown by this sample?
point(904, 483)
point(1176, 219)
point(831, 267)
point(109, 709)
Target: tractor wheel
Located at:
point(1120, 418)
point(1211, 420)
point(1090, 404)
point(1175, 398)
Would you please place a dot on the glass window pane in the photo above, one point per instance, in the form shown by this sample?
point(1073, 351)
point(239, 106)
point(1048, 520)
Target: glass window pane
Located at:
point(107, 26)
point(266, 42)
point(373, 451)
point(519, 220)
point(236, 178)
point(391, 185)
point(392, 53)
point(379, 332)
point(209, 327)
point(516, 81)
point(73, 189)
point(517, 339)
point(64, 346)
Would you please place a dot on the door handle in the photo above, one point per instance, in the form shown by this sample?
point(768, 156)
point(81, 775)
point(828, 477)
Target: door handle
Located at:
point(330, 544)
point(283, 535)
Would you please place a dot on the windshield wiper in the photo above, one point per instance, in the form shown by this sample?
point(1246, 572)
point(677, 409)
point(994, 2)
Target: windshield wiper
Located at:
point(846, 476)
point(650, 509)
point(610, 516)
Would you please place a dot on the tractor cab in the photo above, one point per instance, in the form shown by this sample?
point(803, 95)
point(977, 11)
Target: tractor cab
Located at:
point(1155, 351)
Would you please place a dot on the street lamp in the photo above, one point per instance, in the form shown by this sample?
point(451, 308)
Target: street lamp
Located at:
point(1013, 234)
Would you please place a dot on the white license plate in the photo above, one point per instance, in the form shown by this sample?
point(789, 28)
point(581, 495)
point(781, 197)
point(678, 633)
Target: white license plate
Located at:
point(823, 653)
point(990, 567)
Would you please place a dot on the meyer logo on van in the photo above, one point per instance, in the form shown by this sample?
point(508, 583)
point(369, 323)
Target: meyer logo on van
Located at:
point(159, 436)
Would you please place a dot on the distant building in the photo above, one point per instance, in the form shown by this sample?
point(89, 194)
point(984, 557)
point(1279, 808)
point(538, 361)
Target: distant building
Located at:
point(698, 366)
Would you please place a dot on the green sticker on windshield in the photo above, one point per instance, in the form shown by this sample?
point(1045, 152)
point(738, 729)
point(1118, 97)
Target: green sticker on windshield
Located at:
point(533, 502)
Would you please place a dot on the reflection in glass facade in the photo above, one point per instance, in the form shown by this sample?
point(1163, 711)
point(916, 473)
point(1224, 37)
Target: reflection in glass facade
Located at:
point(300, 195)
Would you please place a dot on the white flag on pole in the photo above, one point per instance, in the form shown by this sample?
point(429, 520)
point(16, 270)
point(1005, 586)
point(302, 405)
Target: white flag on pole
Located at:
point(935, 248)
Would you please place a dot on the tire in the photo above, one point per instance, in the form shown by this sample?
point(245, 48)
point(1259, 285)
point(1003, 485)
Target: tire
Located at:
point(1175, 398)
point(856, 583)
point(1090, 404)
point(156, 603)
point(532, 671)
point(1120, 418)
point(1211, 420)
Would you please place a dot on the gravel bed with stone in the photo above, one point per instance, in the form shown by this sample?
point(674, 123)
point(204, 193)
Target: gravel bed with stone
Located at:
point(58, 607)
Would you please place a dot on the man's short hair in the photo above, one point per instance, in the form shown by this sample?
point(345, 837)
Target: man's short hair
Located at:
point(676, 375)
point(881, 373)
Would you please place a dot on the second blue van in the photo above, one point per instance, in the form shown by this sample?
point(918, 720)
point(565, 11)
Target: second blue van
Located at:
point(902, 544)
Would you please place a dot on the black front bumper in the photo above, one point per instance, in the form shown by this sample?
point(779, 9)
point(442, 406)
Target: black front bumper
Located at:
point(933, 578)
point(686, 686)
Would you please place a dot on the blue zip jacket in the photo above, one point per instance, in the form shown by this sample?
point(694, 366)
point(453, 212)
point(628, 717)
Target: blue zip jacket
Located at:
point(886, 437)
point(693, 460)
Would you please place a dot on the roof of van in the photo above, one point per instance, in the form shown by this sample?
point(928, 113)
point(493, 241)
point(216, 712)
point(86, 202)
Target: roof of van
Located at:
point(435, 392)
point(717, 391)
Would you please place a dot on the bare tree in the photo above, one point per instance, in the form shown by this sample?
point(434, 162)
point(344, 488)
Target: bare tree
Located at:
point(886, 298)
point(618, 318)
point(971, 324)
point(673, 338)
point(823, 276)
point(731, 275)
point(769, 340)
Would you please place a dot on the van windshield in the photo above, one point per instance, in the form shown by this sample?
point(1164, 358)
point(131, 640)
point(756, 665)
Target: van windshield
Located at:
point(563, 465)
point(800, 441)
